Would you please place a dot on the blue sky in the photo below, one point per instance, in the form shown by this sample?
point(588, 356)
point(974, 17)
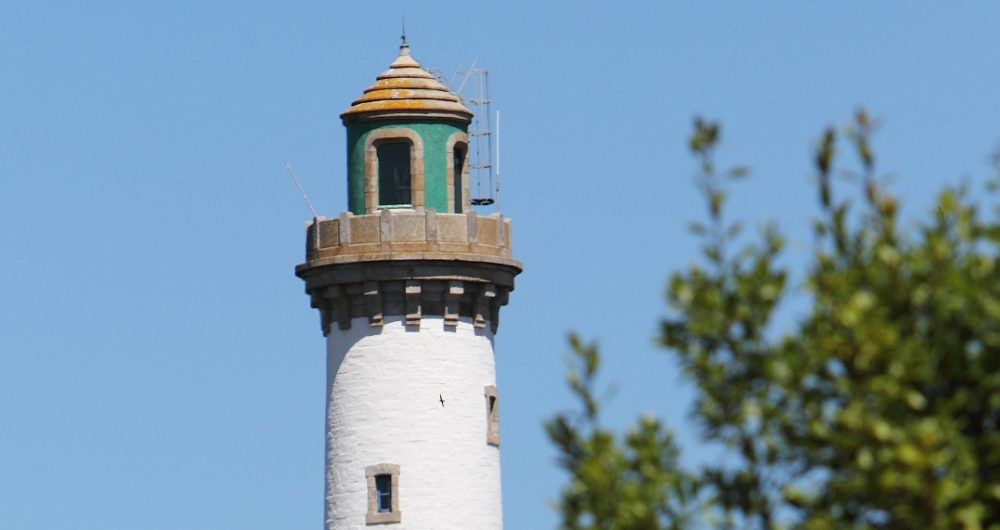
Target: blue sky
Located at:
point(160, 367)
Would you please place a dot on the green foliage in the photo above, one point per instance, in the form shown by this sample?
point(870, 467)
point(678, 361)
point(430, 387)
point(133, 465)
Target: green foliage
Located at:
point(627, 483)
point(878, 409)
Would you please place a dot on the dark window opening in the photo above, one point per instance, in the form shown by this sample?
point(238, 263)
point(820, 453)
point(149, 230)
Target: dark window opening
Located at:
point(383, 493)
point(459, 168)
point(492, 416)
point(393, 173)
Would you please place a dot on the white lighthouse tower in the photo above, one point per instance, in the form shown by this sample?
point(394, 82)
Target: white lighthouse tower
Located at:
point(409, 283)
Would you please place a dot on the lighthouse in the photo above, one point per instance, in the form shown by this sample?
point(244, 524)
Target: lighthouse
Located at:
point(409, 282)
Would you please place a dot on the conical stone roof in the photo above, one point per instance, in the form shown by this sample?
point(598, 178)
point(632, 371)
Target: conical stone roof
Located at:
point(406, 90)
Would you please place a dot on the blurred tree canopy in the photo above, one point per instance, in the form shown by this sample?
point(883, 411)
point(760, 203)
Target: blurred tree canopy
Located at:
point(878, 409)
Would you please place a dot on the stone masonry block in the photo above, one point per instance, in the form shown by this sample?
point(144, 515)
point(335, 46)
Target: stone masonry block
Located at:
point(345, 228)
point(488, 231)
point(329, 233)
point(452, 227)
point(431, 225)
point(472, 218)
point(408, 227)
point(365, 229)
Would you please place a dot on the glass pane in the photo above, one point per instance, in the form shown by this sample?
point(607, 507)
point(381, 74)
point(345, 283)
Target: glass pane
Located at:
point(383, 492)
point(459, 165)
point(393, 173)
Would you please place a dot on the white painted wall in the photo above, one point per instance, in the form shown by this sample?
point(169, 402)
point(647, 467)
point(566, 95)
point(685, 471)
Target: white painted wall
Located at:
point(383, 388)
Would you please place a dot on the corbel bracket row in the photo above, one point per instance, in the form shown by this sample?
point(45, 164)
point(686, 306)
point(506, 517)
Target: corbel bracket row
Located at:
point(412, 299)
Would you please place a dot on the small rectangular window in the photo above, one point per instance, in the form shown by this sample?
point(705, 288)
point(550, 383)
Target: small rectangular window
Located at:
point(383, 494)
point(492, 416)
point(393, 173)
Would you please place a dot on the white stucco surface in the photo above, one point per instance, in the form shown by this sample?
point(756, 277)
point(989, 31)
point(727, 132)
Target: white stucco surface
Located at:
point(384, 390)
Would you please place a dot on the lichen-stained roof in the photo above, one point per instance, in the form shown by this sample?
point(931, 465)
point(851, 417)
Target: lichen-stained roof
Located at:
point(406, 90)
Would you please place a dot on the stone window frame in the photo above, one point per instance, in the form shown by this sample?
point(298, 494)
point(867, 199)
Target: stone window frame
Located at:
point(387, 135)
point(454, 140)
point(374, 516)
point(492, 415)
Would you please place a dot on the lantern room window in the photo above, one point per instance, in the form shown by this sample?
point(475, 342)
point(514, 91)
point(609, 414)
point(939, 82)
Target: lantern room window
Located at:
point(458, 165)
point(394, 180)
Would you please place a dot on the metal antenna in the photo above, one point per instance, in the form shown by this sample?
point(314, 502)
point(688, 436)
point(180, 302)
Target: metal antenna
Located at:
point(474, 90)
point(483, 139)
point(439, 74)
point(468, 73)
point(288, 167)
point(497, 182)
point(404, 30)
point(455, 77)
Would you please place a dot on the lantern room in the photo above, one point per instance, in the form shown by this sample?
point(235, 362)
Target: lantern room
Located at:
point(407, 143)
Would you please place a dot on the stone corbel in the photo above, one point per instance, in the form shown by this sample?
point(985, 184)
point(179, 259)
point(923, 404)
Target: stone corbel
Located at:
point(484, 303)
point(452, 299)
point(340, 305)
point(412, 296)
point(318, 301)
point(373, 303)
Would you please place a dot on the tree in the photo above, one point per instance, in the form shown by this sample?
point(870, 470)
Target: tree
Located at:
point(878, 409)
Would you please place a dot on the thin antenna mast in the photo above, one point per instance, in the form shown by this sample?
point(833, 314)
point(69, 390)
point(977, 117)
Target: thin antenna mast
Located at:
point(467, 74)
point(498, 161)
point(454, 77)
point(288, 167)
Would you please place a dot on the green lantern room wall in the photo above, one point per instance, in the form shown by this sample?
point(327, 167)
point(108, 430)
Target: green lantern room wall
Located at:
point(434, 135)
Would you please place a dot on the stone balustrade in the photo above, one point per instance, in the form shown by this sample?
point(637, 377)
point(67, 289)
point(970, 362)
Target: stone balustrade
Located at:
point(406, 234)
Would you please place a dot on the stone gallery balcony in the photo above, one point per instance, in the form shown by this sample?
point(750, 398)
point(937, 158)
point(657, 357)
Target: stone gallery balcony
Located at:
point(406, 234)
